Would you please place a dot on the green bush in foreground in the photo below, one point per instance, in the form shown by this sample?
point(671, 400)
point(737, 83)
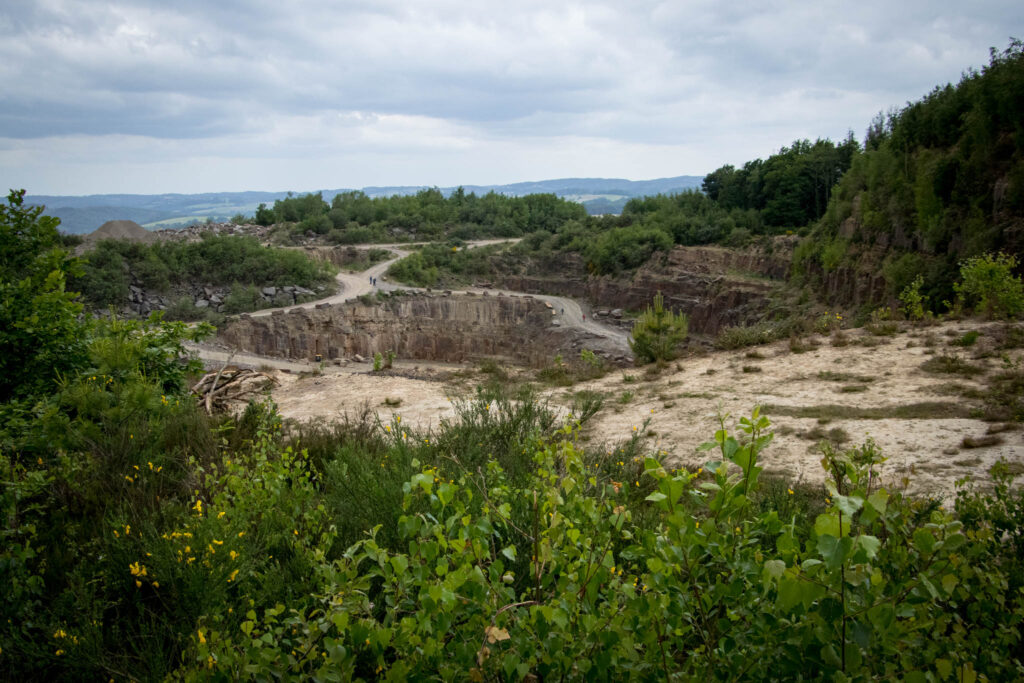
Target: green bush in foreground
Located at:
point(877, 586)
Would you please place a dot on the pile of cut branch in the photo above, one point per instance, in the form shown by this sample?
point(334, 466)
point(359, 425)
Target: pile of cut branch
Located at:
point(231, 387)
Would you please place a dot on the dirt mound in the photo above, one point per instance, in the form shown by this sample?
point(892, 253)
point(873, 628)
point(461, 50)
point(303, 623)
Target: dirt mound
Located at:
point(121, 230)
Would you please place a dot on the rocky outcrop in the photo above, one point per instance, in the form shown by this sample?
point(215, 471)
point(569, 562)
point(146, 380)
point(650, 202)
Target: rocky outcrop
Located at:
point(714, 286)
point(143, 302)
point(425, 327)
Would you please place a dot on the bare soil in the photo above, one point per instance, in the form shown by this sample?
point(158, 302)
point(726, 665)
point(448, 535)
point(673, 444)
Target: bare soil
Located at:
point(920, 420)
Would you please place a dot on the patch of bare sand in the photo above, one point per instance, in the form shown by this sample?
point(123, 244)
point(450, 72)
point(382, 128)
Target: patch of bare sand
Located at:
point(679, 409)
point(420, 402)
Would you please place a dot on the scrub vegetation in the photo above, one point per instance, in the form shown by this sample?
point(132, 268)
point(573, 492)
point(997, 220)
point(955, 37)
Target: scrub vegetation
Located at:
point(145, 539)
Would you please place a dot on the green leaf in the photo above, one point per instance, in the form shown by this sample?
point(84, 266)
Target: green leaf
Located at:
point(849, 505)
point(656, 497)
point(773, 569)
point(949, 582)
point(834, 550)
point(400, 563)
point(790, 594)
point(653, 467)
point(827, 523)
point(509, 552)
point(742, 457)
point(879, 501)
point(868, 544)
point(944, 667)
point(924, 541)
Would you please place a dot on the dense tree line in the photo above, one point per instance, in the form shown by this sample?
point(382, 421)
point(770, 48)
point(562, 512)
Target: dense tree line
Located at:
point(108, 270)
point(353, 217)
point(939, 181)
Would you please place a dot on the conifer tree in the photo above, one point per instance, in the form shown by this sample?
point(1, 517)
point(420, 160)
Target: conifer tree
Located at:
point(657, 333)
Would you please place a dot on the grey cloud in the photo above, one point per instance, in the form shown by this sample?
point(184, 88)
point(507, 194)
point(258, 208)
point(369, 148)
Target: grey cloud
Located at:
point(700, 72)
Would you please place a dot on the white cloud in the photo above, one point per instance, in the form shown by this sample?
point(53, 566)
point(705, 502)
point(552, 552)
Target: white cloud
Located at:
point(125, 95)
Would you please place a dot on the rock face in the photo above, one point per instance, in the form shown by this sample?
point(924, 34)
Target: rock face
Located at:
point(714, 286)
point(440, 328)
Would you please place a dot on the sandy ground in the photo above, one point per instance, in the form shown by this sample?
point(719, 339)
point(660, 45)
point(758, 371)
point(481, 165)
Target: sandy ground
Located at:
point(678, 410)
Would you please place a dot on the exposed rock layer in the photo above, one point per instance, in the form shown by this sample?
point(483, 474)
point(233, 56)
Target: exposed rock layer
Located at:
point(715, 287)
point(443, 328)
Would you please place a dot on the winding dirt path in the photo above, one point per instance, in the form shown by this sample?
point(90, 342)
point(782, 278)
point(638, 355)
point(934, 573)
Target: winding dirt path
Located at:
point(568, 312)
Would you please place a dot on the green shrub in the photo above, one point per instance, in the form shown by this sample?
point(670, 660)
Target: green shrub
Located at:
point(657, 333)
point(913, 301)
point(738, 337)
point(988, 283)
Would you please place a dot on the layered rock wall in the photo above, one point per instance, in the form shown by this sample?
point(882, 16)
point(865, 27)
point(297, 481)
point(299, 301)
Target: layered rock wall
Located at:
point(715, 287)
point(426, 327)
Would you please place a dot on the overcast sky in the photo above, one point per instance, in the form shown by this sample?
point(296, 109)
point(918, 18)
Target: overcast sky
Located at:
point(223, 95)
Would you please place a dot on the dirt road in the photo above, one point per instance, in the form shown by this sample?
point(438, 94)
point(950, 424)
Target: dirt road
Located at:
point(568, 312)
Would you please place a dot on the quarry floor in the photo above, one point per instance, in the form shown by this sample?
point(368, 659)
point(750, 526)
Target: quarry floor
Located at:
point(678, 408)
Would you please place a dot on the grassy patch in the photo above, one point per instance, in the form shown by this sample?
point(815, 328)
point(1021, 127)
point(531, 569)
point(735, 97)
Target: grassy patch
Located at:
point(968, 339)
point(926, 410)
point(746, 335)
point(951, 365)
point(836, 435)
point(981, 441)
point(801, 345)
point(830, 376)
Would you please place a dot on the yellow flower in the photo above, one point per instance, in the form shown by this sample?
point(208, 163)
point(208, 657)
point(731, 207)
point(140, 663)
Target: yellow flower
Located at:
point(59, 652)
point(216, 542)
point(790, 491)
point(138, 584)
point(210, 548)
point(233, 575)
point(233, 554)
point(202, 638)
point(221, 514)
point(198, 507)
point(241, 533)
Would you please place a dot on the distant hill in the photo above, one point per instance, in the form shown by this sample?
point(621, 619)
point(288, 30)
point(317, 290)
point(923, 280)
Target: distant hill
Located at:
point(85, 214)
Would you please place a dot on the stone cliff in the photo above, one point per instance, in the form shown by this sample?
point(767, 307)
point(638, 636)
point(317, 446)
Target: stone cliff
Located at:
point(423, 327)
point(714, 286)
